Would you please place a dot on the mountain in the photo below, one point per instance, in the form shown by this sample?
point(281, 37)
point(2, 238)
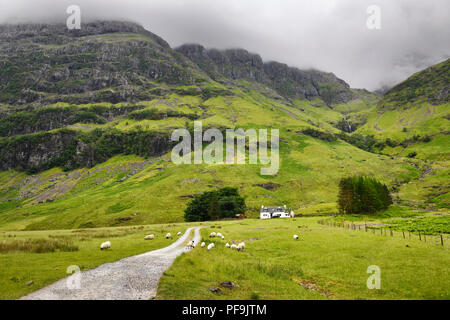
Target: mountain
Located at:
point(239, 64)
point(104, 61)
point(430, 85)
point(86, 118)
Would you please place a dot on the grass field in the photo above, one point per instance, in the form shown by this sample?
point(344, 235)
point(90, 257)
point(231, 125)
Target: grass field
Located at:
point(332, 262)
point(326, 263)
point(18, 267)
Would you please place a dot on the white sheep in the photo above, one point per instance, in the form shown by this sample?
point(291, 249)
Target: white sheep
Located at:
point(191, 244)
point(168, 236)
point(212, 234)
point(241, 246)
point(223, 238)
point(179, 234)
point(227, 245)
point(203, 245)
point(219, 235)
point(295, 237)
point(149, 237)
point(105, 245)
point(210, 246)
point(233, 246)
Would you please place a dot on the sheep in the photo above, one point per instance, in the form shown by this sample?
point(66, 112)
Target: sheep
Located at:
point(212, 234)
point(233, 246)
point(203, 245)
point(168, 236)
point(219, 235)
point(241, 246)
point(179, 234)
point(295, 237)
point(223, 238)
point(227, 245)
point(191, 244)
point(210, 246)
point(149, 237)
point(105, 245)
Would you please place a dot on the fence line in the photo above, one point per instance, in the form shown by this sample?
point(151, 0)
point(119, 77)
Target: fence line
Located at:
point(366, 228)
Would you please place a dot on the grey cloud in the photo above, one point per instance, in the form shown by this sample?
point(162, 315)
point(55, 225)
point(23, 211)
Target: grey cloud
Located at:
point(329, 35)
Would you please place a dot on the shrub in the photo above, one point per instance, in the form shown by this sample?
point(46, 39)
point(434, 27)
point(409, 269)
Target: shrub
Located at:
point(214, 205)
point(37, 246)
point(412, 154)
point(324, 136)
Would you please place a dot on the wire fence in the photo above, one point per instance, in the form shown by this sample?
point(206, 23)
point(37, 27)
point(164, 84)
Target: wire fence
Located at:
point(441, 239)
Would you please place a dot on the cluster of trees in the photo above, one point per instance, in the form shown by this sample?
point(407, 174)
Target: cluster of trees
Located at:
point(365, 142)
point(362, 195)
point(213, 205)
point(362, 142)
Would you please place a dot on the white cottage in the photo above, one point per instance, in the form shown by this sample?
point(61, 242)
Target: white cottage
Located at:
point(275, 212)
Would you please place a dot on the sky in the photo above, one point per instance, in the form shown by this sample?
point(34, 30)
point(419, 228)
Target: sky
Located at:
point(329, 35)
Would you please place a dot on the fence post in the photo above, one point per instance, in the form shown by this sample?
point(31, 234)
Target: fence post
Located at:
point(420, 238)
point(392, 233)
point(403, 232)
point(442, 240)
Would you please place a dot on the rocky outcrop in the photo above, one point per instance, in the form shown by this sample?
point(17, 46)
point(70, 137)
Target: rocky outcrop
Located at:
point(71, 149)
point(104, 61)
point(289, 82)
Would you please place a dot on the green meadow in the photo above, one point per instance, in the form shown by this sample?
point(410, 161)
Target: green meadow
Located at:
point(325, 263)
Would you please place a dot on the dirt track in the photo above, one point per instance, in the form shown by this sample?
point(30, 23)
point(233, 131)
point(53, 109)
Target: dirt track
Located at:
point(133, 278)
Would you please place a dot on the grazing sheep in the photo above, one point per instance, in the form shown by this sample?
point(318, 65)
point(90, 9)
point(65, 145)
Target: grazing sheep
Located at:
point(212, 234)
point(203, 245)
point(233, 246)
point(241, 246)
point(210, 246)
point(105, 245)
point(219, 235)
point(295, 237)
point(179, 234)
point(168, 236)
point(223, 238)
point(227, 245)
point(149, 237)
point(191, 244)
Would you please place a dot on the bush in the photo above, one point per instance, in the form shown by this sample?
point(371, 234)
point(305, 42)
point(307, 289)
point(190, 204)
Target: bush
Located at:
point(324, 136)
point(412, 154)
point(362, 195)
point(214, 205)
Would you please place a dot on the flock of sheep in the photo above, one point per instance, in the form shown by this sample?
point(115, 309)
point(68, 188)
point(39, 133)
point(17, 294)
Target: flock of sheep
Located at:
point(191, 245)
point(239, 247)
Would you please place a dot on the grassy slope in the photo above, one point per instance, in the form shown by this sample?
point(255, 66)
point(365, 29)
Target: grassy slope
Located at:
point(333, 259)
point(309, 173)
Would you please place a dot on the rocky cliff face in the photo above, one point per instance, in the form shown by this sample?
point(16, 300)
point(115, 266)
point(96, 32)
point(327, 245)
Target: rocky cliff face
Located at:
point(290, 82)
point(71, 149)
point(104, 61)
point(42, 65)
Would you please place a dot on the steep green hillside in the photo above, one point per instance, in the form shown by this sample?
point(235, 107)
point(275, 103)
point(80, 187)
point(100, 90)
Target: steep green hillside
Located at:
point(85, 129)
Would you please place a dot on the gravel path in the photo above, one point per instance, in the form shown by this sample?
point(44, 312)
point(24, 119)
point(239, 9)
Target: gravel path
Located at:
point(132, 278)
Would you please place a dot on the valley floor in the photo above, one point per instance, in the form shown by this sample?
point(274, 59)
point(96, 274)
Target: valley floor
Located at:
point(326, 263)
